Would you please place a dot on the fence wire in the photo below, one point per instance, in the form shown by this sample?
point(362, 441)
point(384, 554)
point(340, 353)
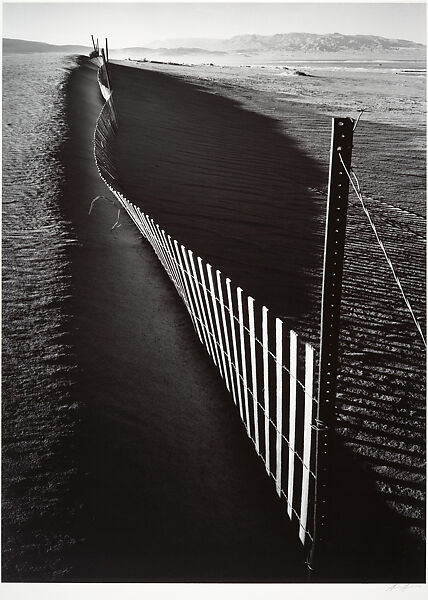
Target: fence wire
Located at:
point(356, 186)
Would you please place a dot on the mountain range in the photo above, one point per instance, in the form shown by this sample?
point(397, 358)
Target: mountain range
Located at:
point(291, 42)
point(280, 43)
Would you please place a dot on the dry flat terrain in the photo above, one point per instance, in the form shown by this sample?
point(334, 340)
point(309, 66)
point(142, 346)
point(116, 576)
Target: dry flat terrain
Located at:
point(233, 162)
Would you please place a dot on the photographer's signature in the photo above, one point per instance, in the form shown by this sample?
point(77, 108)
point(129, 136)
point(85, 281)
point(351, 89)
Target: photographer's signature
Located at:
point(403, 587)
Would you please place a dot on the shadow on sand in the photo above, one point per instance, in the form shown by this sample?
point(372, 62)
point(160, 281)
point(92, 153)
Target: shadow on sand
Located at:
point(367, 542)
point(224, 182)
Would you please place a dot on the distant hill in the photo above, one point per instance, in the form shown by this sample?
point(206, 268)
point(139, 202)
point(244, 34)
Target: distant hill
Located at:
point(310, 42)
point(180, 51)
point(207, 44)
point(295, 42)
point(14, 46)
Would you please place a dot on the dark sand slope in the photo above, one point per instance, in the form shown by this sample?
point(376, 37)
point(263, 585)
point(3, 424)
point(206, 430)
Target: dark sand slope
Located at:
point(223, 181)
point(235, 187)
point(174, 490)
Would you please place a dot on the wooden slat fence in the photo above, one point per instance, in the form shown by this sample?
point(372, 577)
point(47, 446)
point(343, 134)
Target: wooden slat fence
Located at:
point(268, 370)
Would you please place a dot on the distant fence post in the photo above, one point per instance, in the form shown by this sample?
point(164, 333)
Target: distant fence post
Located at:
point(337, 206)
point(106, 69)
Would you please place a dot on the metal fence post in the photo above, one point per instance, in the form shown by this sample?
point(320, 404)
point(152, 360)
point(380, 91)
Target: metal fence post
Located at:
point(106, 69)
point(337, 205)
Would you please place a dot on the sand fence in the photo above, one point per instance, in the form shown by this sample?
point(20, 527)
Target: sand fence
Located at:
point(268, 370)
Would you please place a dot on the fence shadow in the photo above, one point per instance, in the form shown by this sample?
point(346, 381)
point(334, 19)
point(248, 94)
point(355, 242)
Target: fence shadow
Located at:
point(224, 181)
point(369, 542)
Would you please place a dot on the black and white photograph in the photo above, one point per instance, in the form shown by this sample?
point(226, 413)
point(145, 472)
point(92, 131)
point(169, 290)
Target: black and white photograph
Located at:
point(213, 296)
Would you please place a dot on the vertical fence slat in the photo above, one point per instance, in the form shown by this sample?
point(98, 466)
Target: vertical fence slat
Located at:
point(217, 322)
point(148, 229)
point(168, 241)
point(278, 356)
point(252, 329)
point(292, 421)
point(207, 303)
point(243, 356)
point(211, 342)
point(177, 270)
point(234, 344)
point(167, 255)
point(149, 232)
point(144, 224)
point(180, 276)
point(161, 249)
point(136, 217)
point(162, 256)
point(307, 440)
point(140, 223)
point(194, 289)
point(150, 235)
point(130, 209)
point(153, 239)
point(226, 336)
point(192, 310)
point(194, 285)
point(173, 266)
point(265, 343)
point(132, 213)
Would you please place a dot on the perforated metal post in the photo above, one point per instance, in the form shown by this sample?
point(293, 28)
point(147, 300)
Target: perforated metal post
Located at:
point(337, 206)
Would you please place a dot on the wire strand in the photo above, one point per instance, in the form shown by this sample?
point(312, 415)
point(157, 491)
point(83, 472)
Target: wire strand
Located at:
point(358, 118)
point(356, 186)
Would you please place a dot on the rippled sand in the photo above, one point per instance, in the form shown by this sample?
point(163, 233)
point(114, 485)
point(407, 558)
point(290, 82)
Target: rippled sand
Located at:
point(39, 416)
point(391, 92)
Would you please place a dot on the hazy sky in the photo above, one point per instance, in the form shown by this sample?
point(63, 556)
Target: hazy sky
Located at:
point(131, 24)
